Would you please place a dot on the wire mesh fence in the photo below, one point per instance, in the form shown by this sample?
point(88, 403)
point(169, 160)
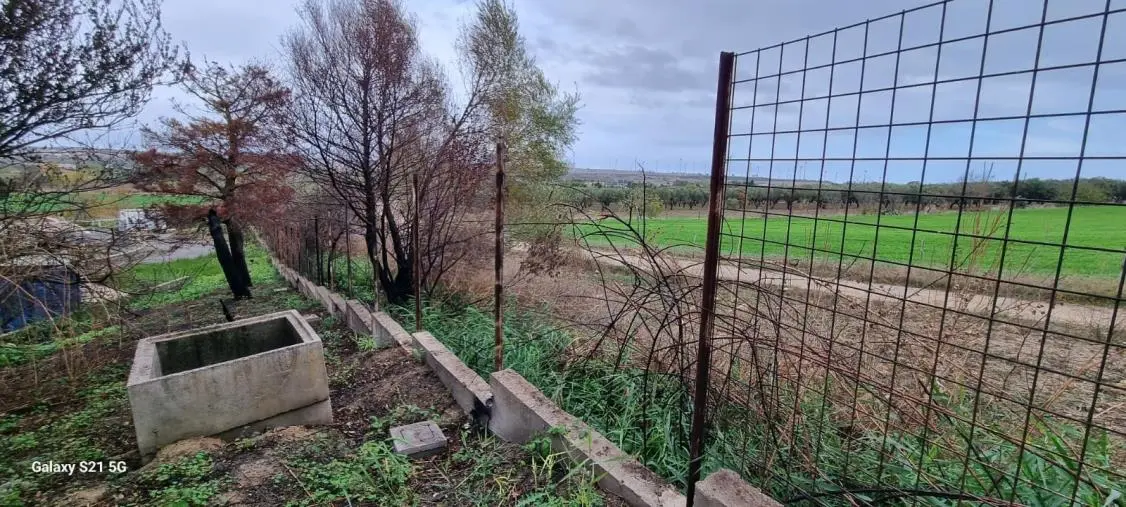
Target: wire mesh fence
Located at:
point(918, 266)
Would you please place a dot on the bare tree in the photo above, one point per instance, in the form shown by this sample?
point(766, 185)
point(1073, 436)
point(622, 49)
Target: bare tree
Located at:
point(68, 66)
point(369, 111)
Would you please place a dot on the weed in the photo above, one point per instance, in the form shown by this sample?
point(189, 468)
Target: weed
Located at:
point(374, 473)
point(244, 444)
point(9, 423)
point(365, 343)
point(402, 414)
point(648, 415)
point(184, 482)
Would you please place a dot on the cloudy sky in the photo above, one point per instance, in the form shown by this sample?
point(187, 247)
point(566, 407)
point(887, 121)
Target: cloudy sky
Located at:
point(646, 71)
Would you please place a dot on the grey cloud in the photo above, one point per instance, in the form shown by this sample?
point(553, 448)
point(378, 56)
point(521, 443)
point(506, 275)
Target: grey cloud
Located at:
point(640, 67)
point(646, 69)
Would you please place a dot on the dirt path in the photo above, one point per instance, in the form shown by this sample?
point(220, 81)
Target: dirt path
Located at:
point(1007, 308)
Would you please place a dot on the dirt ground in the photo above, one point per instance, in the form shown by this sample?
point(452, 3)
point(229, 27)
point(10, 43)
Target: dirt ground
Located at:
point(74, 408)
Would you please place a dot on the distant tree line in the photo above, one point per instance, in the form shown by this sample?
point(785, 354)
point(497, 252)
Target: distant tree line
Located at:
point(889, 198)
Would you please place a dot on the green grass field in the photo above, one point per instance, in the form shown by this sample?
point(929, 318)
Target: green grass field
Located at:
point(831, 236)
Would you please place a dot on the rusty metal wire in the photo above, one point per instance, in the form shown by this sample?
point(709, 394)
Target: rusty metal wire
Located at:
point(888, 325)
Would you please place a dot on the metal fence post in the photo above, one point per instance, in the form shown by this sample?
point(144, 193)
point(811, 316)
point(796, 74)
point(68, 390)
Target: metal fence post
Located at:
point(498, 265)
point(348, 250)
point(416, 255)
point(711, 262)
point(317, 248)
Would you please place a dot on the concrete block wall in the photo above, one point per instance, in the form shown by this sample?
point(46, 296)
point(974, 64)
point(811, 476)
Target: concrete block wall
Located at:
point(515, 411)
point(468, 388)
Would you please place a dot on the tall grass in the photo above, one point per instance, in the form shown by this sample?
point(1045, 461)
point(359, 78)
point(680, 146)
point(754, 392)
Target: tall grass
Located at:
point(812, 457)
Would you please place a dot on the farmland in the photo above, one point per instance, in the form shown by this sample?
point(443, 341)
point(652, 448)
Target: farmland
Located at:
point(979, 244)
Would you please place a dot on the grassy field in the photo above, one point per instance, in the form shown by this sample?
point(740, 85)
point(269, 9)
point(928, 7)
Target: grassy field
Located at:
point(831, 237)
point(103, 204)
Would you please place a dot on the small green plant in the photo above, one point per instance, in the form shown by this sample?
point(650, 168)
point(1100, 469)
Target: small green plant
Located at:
point(402, 414)
point(374, 473)
point(9, 423)
point(23, 442)
point(244, 444)
point(184, 482)
point(365, 343)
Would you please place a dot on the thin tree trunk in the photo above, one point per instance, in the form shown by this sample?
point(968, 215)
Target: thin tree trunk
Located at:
point(226, 261)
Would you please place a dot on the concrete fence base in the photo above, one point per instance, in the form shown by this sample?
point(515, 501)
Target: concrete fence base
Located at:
point(467, 387)
point(520, 412)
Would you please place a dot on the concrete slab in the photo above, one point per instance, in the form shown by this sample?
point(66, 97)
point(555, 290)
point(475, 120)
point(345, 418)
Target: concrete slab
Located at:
point(266, 370)
point(306, 288)
point(361, 321)
point(339, 307)
point(724, 488)
point(418, 440)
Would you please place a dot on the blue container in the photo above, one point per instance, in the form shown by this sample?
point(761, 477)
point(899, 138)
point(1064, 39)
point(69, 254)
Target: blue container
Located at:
point(51, 292)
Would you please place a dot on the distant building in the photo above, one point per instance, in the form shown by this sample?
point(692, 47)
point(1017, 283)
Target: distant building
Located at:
point(135, 219)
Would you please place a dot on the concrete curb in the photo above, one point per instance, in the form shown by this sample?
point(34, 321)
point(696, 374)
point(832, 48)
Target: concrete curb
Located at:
point(520, 412)
point(391, 331)
point(468, 388)
point(339, 305)
point(324, 296)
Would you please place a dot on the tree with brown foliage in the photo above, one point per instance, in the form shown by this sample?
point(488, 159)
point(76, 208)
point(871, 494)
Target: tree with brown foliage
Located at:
point(229, 154)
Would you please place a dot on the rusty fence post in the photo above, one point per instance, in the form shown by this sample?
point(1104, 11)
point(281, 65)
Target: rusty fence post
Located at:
point(711, 263)
point(317, 249)
point(417, 255)
point(348, 250)
point(498, 265)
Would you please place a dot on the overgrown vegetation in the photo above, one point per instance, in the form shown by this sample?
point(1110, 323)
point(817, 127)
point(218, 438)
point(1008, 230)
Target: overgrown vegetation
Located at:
point(190, 481)
point(187, 279)
point(649, 416)
point(83, 433)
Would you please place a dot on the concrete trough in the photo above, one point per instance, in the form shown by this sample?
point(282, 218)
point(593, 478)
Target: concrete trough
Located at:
point(255, 373)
